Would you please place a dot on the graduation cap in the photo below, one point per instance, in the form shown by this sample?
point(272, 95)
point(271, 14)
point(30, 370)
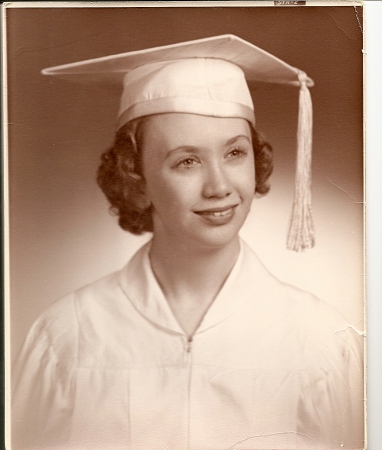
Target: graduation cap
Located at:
point(208, 77)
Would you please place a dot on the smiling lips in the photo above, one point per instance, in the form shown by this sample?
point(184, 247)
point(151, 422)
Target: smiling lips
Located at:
point(218, 216)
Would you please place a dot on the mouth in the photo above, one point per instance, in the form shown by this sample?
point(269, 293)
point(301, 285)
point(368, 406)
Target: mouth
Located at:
point(223, 213)
point(218, 215)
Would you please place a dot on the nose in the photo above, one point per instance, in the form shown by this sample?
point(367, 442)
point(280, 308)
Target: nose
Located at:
point(216, 183)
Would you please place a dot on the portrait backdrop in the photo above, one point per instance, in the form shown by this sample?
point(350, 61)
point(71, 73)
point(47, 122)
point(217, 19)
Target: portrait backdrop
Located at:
point(61, 234)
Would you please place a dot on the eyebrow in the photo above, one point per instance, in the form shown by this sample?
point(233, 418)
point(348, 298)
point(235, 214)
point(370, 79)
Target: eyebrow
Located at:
point(236, 138)
point(191, 148)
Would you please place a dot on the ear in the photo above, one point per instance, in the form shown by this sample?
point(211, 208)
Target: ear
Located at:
point(141, 199)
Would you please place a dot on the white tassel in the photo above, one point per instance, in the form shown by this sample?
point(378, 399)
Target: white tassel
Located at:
point(301, 231)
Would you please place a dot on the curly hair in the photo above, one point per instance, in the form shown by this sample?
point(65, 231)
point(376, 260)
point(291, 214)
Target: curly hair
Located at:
point(121, 179)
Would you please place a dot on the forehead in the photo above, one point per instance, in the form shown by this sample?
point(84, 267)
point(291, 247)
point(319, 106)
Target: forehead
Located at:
point(178, 129)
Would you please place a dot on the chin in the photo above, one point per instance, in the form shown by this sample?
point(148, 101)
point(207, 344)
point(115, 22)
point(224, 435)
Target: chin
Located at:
point(216, 238)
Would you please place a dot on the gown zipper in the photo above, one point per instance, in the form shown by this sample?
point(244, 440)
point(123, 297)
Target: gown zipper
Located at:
point(188, 350)
point(189, 360)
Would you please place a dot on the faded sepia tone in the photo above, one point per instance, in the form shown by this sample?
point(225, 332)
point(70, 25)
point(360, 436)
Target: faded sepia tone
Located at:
point(62, 236)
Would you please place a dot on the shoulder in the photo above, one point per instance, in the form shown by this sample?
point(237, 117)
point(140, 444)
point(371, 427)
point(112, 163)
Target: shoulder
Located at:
point(88, 316)
point(257, 275)
point(92, 299)
point(63, 312)
point(328, 337)
point(299, 307)
point(58, 325)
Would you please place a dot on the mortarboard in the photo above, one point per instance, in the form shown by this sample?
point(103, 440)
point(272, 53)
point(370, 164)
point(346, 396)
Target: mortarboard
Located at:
point(208, 77)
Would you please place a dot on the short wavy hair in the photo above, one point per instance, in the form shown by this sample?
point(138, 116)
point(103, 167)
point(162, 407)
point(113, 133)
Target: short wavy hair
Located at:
point(120, 176)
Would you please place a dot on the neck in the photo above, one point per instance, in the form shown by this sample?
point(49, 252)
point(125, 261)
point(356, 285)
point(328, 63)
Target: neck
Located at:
point(191, 278)
point(176, 266)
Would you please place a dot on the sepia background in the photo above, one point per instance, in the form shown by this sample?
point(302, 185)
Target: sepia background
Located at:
point(62, 235)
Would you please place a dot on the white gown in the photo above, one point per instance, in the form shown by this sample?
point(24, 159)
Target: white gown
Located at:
point(270, 367)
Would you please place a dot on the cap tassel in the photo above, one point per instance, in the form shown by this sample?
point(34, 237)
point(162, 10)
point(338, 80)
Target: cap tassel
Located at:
point(301, 230)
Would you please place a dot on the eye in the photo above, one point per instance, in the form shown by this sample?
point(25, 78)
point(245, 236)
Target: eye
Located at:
point(187, 163)
point(237, 153)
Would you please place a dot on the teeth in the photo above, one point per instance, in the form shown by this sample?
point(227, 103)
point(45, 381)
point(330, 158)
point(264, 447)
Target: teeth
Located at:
point(222, 213)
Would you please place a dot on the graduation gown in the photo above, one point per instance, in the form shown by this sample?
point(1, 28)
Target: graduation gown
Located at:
point(270, 367)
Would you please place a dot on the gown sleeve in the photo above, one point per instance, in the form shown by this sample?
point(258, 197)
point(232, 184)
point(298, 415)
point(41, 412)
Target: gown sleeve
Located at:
point(332, 398)
point(43, 382)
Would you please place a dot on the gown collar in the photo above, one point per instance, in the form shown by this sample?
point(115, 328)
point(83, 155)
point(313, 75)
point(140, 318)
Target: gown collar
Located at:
point(245, 282)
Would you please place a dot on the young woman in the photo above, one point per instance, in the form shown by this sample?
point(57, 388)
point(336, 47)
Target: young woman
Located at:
point(194, 344)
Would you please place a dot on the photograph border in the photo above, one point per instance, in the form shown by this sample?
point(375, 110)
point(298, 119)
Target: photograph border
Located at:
point(372, 181)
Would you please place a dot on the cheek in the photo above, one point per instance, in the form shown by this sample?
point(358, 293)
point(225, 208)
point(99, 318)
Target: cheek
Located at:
point(246, 178)
point(166, 193)
point(156, 190)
